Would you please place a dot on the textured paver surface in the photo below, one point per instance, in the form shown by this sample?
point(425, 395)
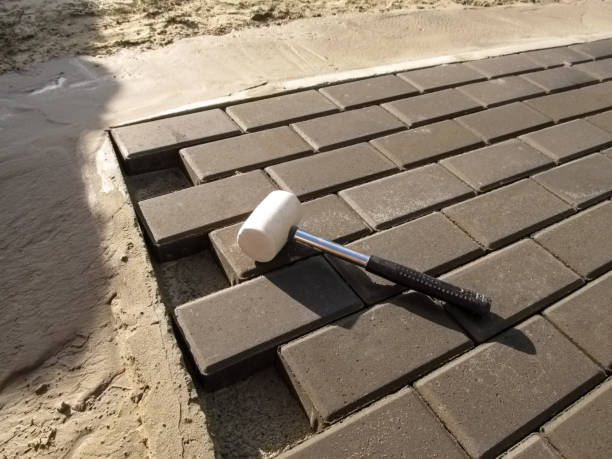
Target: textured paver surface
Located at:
point(495, 175)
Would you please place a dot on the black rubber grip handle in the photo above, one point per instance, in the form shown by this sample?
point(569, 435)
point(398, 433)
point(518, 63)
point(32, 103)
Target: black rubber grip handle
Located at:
point(469, 300)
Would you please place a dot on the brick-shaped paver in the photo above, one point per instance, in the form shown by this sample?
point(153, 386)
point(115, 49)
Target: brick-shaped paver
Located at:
point(568, 140)
point(328, 217)
point(427, 143)
point(582, 182)
point(391, 428)
point(520, 280)
point(602, 120)
point(533, 447)
point(601, 70)
point(501, 391)
point(496, 165)
point(512, 64)
point(344, 128)
point(235, 331)
point(595, 49)
point(431, 244)
point(398, 198)
point(497, 218)
point(273, 111)
point(363, 92)
point(584, 429)
point(370, 355)
point(557, 79)
point(570, 104)
point(500, 123)
point(441, 77)
point(418, 110)
point(554, 57)
point(586, 317)
point(155, 144)
point(501, 90)
point(177, 223)
point(213, 160)
point(583, 242)
point(331, 171)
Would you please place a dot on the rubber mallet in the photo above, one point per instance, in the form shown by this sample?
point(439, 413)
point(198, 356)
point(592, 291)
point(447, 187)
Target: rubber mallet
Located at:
point(274, 222)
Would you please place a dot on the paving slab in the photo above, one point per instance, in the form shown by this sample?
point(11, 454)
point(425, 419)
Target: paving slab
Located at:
point(558, 79)
point(520, 280)
point(155, 144)
point(555, 57)
point(602, 121)
point(427, 143)
point(274, 111)
point(364, 92)
point(441, 77)
point(328, 217)
point(526, 375)
point(586, 317)
point(214, 160)
point(601, 70)
point(177, 223)
point(235, 331)
point(511, 64)
point(533, 447)
point(439, 105)
point(502, 216)
point(430, 244)
point(390, 428)
point(500, 123)
point(333, 131)
point(369, 355)
point(502, 163)
point(331, 171)
point(595, 49)
point(391, 200)
point(582, 182)
point(501, 90)
point(571, 104)
point(583, 242)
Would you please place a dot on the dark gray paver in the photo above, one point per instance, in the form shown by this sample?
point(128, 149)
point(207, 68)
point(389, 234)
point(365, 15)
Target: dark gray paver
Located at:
point(418, 110)
point(553, 57)
point(582, 182)
point(431, 244)
point(177, 223)
point(602, 120)
point(363, 92)
point(331, 171)
point(568, 140)
point(496, 394)
point(504, 65)
point(427, 143)
point(391, 428)
point(497, 218)
point(501, 90)
point(520, 280)
point(398, 198)
point(570, 104)
point(533, 447)
point(500, 123)
point(155, 144)
point(344, 128)
point(365, 356)
point(235, 331)
point(441, 77)
point(558, 79)
point(213, 160)
point(584, 429)
point(602, 70)
point(583, 242)
point(586, 317)
point(278, 110)
point(595, 49)
point(492, 166)
point(328, 217)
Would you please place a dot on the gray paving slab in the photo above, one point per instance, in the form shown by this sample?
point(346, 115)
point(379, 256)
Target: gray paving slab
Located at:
point(441, 77)
point(586, 317)
point(554, 57)
point(369, 355)
point(363, 92)
point(331, 171)
point(520, 280)
point(533, 447)
point(602, 120)
point(499, 217)
point(501, 90)
point(511, 64)
point(391, 200)
point(430, 244)
point(571, 104)
point(502, 163)
point(501, 391)
point(427, 143)
point(560, 78)
point(274, 111)
point(235, 331)
point(390, 428)
point(595, 49)
point(583, 242)
point(601, 70)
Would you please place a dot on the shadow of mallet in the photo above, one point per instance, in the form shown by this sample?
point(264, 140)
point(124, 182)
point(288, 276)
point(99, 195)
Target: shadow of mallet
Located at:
point(274, 222)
